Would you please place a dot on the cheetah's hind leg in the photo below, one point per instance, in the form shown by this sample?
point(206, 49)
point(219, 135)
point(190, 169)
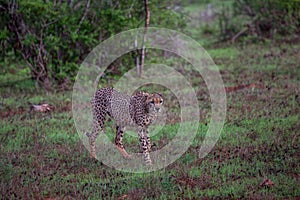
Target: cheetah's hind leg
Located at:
point(92, 139)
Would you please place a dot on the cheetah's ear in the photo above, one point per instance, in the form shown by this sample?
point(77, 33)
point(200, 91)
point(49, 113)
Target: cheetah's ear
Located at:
point(145, 94)
point(159, 94)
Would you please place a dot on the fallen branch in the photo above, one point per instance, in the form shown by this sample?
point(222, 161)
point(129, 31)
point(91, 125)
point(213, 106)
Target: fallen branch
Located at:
point(244, 30)
point(42, 108)
point(240, 87)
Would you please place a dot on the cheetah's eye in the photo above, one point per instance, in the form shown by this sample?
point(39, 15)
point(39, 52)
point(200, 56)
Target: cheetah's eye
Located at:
point(152, 101)
point(160, 101)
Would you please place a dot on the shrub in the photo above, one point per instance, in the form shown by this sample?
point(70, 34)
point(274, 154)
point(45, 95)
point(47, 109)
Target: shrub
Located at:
point(53, 37)
point(260, 18)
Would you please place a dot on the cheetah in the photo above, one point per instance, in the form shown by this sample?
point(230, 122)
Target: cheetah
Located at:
point(140, 110)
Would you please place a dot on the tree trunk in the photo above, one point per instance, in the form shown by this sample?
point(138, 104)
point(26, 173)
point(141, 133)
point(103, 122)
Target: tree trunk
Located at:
point(147, 21)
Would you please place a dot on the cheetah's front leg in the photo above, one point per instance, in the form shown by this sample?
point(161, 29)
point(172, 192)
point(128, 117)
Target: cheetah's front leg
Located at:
point(118, 141)
point(145, 144)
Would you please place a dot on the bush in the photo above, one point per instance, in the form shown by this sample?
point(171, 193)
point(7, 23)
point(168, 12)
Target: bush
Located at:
point(260, 18)
point(53, 37)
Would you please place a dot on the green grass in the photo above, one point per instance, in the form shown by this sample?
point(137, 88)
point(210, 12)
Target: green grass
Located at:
point(228, 53)
point(45, 158)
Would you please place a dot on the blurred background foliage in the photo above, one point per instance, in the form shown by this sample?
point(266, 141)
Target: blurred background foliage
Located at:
point(260, 18)
point(52, 37)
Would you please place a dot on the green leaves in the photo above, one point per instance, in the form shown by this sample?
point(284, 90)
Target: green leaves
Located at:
point(53, 37)
point(260, 19)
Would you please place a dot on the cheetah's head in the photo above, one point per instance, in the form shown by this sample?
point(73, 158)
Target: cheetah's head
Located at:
point(154, 102)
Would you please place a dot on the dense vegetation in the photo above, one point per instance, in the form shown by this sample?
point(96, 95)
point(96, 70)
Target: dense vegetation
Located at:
point(266, 18)
point(53, 37)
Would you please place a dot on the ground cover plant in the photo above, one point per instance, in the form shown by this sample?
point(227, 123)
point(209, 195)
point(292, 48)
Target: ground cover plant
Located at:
point(256, 157)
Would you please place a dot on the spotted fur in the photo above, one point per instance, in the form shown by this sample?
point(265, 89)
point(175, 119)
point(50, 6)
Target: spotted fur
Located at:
point(140, 110)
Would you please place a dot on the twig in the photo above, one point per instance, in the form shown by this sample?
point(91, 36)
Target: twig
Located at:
point(87, 8)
